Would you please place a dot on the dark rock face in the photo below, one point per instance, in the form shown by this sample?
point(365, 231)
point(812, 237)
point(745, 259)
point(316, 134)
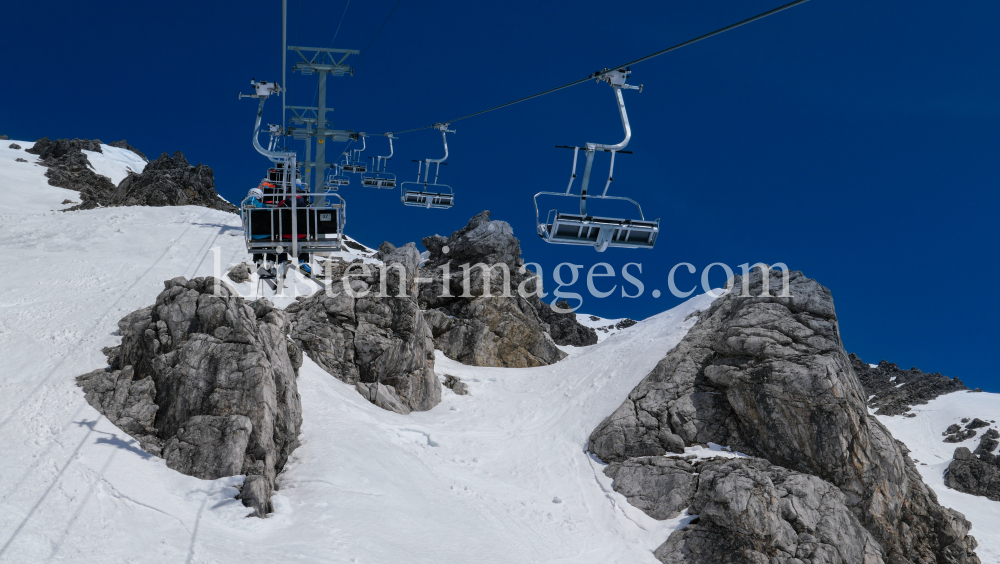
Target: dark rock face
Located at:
point(69, 168)
point(977, 472)
point(564, 327)
point(490, 330)
point(384, 250)
point(20, 160)
point(123, 144)
point(751, 511)
point(207, 382)
point(897, 390)
point(371, 339)
point(170, 181)
point(13, 146)
point(768, 376)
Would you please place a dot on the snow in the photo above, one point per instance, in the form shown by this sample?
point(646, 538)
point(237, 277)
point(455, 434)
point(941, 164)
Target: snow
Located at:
point(922, 435)
point(499, 475)
point(24, 188)
point(115, 163)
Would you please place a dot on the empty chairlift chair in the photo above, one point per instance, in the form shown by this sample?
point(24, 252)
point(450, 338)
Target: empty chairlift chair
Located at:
point(335, 179)
point(379, 178)
point(425, 194)
point(352, 159)
point(596, 231)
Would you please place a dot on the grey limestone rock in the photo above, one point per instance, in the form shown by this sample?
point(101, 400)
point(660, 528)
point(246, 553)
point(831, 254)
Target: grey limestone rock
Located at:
point(206, 380)
point(170, 181)
point(472, 326)
point(750, 511)
point(240, 272)
point(456, 385)
point(769, 377)
point(976, 472)
point(366, 338)
point(661, 487)
point(383, 396)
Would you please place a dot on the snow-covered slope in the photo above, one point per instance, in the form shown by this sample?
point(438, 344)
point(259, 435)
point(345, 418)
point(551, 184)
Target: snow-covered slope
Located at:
point(499, 475)
point(922, 435)
point(23, 185)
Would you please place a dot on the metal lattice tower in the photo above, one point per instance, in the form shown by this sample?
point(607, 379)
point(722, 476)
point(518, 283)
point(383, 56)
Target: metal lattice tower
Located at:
point(310, 122)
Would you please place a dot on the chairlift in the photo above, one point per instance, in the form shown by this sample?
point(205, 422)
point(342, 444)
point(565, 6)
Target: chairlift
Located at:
point(352, 159)
point(430, 195)
point(379, 178)
point(287, 219)
point(336, 179)
point(599, 232)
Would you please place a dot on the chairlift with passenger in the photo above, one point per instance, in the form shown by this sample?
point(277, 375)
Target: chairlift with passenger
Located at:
point(379, 178)
point(584, 229)
point(286, 218)
point(425, 194)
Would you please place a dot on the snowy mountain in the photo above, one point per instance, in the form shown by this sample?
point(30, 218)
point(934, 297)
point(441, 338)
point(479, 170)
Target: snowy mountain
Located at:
point(502, 474)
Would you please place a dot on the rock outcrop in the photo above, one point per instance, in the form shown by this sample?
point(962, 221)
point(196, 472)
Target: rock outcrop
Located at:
point(893, 391)
point(123, 144)
point(754, 512)
point(976, 472)
point(564, 328)
point(69, 168)
point(360, 337)
point(170, 181)
point(768, 376)
point(498, 327)
point(207, 381)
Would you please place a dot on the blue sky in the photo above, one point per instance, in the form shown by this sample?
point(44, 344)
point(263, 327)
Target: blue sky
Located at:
point(854, 141)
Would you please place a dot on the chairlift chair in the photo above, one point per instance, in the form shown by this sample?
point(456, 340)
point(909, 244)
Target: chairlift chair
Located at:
point(379, 178)
point(279, 223)
point(335, 179)
point(430, 195)
point(352, 159)
point(596, 231)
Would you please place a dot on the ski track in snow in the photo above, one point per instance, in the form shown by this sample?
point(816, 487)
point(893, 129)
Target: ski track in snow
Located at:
point(499, 475)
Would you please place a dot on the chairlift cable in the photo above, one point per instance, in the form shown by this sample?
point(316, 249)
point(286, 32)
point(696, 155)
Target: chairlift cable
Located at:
point(365, 50)
point(642, 59)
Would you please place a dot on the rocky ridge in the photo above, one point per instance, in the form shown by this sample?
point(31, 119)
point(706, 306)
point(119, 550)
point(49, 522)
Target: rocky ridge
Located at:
point(167, 181)
point(170, 181)
point(769, 377)
point(891, 391)
point(207, 381)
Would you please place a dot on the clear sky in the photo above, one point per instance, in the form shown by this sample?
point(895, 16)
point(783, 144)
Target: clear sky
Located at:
point(855, 141)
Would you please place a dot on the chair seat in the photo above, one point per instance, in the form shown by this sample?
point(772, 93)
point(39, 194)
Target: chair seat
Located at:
point(600, 232)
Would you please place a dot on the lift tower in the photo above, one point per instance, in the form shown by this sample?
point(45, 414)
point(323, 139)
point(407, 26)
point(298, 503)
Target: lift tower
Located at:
point(322, 62)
